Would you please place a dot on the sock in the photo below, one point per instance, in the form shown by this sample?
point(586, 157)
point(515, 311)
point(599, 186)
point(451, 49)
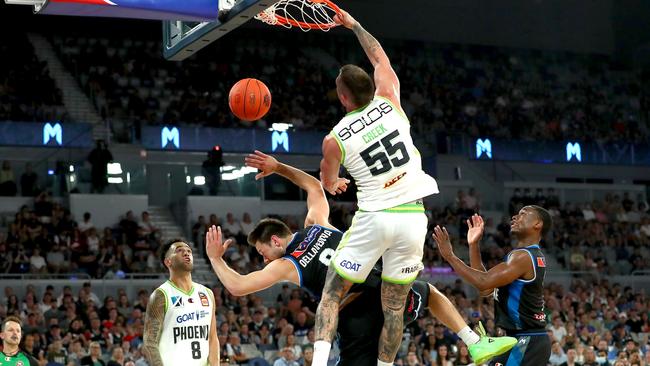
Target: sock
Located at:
point(468, 336)
point(321, 353)
point(382, 363)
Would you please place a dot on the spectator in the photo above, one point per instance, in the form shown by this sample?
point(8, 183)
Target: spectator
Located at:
point(29, 182)
point(287, 358)
point(37, 263)
point(7, 180)
point(117, 357)
point(235, 353)
point(99, 159)
point(86, 224)
point(95, 356)
point(558, 357)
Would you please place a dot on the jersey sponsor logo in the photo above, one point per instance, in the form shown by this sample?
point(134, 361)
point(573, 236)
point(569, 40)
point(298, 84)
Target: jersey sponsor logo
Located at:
point(315, 248)
point(541, 317)
point(414, 304)
point(541, 262)
point(190, 300)
point(20, 363)
point(177, 301)
point(350, 265)
point(195, 315)
point(302, 247)
point(365, 120)
point(191, 332)
point(412, 269)
point(394, 180)
point(204, 299)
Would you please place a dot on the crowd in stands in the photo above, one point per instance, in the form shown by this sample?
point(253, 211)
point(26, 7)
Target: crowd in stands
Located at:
point(475, 90)
point(48, 240)
point(590, 324)
point(27, 91)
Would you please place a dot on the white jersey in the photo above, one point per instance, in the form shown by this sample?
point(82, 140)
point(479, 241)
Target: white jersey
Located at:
point(186, 327)
point(378, 151)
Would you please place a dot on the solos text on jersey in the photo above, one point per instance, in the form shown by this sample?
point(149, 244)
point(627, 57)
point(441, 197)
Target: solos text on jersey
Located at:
point(365, 120)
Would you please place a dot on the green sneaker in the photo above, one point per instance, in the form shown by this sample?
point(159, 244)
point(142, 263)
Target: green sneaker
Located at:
point(489, 347)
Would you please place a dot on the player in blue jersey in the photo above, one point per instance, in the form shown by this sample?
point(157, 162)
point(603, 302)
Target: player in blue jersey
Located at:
point(517, 284)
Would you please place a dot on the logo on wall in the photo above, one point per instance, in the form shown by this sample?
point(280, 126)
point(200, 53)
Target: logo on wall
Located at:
point(483, 148)
point(168, 135)
point(54, 131)
point(280, 138)
point(573, 151)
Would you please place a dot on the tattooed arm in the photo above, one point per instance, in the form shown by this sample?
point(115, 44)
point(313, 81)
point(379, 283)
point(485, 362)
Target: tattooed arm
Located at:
point(386, 80)
point(153, 323)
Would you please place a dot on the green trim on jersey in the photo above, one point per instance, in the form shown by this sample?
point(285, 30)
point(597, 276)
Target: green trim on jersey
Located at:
point(340, 143)
point(404, 208)
point(399, 282)
point(186, 293)
point(166, 298)
point(357, 110)
point(399, 110)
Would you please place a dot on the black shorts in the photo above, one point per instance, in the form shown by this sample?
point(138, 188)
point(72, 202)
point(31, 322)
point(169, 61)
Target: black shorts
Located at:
point(533, 349)
point(361, 321)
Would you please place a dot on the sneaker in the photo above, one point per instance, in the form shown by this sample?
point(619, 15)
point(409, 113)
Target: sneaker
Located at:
point(489, 347)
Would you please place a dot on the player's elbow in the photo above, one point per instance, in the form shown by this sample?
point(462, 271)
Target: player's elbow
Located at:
point(237, 291)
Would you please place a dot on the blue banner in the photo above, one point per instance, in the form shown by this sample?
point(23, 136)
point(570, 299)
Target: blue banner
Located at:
point(50, 134)
point(573, 152)
point(232, 139)
point(188, 10)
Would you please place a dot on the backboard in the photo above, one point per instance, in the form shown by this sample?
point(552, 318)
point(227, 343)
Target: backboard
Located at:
point(182, 39)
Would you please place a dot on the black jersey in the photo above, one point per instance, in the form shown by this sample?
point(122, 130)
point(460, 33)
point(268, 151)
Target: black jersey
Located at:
point(520, 304)
point(311, 250)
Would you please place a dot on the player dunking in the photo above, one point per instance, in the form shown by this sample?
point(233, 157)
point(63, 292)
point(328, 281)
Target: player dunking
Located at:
point(180, 325)
point(303, 258)
point(517, 284)
point(373, 142)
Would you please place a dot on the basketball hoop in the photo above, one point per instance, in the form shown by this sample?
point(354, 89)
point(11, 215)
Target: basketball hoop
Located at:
point(304, 14)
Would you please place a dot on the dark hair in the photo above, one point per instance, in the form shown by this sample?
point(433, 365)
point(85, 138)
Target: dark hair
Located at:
point(358, 83)
point(547, 221)
point(11, 318)
point(267, 228)
point(166, 246)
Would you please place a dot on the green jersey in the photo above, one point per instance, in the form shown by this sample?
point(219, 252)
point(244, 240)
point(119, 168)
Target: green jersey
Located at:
point(19, 359)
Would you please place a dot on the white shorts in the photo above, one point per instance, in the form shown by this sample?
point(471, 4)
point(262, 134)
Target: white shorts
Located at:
point(396, 235)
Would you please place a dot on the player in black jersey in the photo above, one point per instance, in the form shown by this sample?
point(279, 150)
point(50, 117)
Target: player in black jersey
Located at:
point(517, 283)
point(303, 259)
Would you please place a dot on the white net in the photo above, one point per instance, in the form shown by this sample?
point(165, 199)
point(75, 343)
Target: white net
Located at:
point(304, 14)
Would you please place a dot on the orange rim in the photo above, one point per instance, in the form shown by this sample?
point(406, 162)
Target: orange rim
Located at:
point(303, 25)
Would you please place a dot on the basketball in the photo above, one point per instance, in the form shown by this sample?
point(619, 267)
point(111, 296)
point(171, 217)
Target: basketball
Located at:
point(249, 99)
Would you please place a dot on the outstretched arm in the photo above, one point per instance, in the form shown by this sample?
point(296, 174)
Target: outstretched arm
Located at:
point(386, 81)
point(474, 234)
point(502, 274)
point(153, 324)
point(318, 210)
point(240, 285)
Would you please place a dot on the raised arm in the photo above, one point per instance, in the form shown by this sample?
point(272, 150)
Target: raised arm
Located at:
point(502, 274)
point(153, 324)
point(474, 234)
point(241, 285)
point(318, 210)
point(386, 81)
